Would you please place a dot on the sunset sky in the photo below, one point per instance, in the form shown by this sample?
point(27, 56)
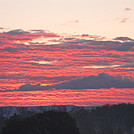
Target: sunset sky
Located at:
point(66, 52)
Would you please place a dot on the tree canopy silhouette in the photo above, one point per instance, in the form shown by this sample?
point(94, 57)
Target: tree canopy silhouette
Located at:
point(49, 122)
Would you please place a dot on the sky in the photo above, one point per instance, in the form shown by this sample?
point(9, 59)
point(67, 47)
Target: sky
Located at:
point(66, 52)
point(109, 18)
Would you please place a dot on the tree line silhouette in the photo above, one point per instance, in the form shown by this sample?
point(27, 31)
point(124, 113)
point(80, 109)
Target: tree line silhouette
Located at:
point(107, 119)
point(48, 122)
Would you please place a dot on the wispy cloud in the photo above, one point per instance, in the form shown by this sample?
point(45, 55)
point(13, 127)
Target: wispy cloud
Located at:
point(71, 22)
point(121, 19)
point(74, 21)
point(124, 20)
point(127, 9)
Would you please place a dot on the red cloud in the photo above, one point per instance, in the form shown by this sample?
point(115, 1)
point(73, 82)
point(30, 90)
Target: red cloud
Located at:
point(23, 36)
point(121, 20)
point(67, 59)
point(124, 20)
point(127, 9)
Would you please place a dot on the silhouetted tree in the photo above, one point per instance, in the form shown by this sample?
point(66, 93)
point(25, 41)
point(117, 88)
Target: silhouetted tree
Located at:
point(107, 119)
point(49, 122)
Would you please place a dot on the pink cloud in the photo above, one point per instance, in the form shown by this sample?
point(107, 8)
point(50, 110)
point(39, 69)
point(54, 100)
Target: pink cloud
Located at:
point(124, 20)
point(71, 22)
point(74, 21)
point(71, 54)
point(127, 9)
point(121, 20)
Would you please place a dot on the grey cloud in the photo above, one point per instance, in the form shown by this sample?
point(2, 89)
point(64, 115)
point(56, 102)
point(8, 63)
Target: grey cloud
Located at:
point(103, 80)
point(123, 39)
point(17, 31)
point(130, 69)
point(37, 30)
point(24, 39)
point(109, 45)
point(12, 49)
point(2, 37)
point(2, 28)
point(126, 46)
point(128, 65)
point(38, 78)
point(123, 48)
point(29, 87)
